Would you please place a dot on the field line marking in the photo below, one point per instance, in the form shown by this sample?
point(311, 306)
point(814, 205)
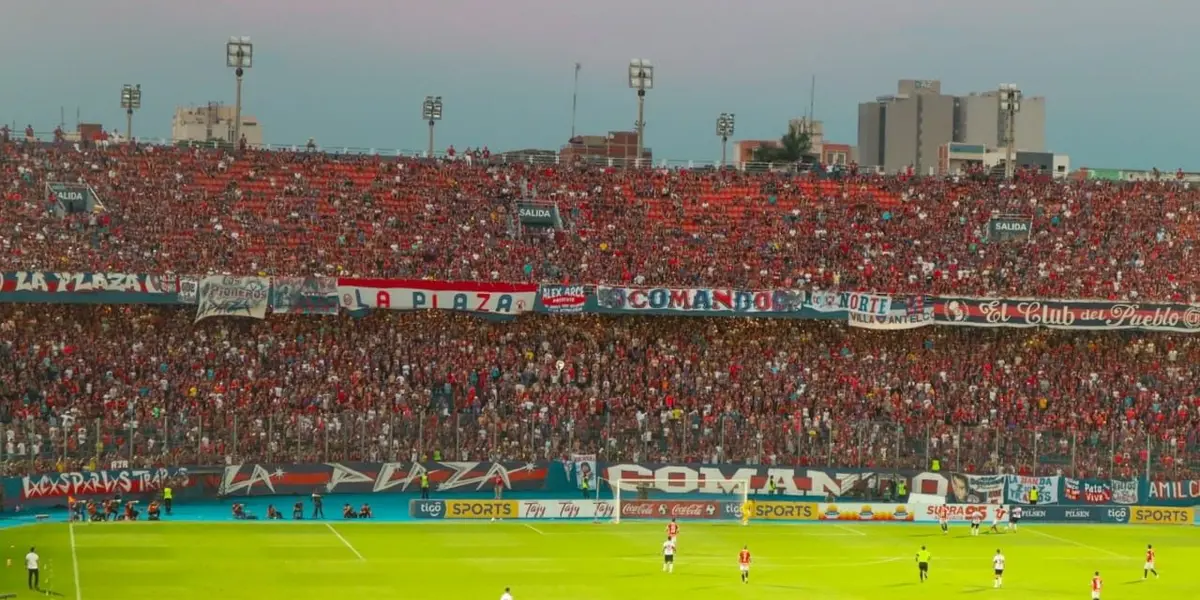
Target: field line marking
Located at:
point(540, 532)
point(854, 531)
point(1073, 542)
point(74, 561)
point(345, 541)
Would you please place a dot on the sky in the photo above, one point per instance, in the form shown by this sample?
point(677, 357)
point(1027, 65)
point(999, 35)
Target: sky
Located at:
point(1118, 78)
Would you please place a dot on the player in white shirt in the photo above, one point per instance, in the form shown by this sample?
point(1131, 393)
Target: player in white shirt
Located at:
point(668, 556)
point(998, 567)
point(507, 595)
point(995, 521)
point(31, 564)
point(1014, 517)
point(975, 521)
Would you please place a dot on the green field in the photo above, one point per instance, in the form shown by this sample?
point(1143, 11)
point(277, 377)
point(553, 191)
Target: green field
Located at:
point(569, 561)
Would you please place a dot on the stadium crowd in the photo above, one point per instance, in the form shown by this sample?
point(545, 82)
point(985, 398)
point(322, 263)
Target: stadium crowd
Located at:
point(87, 385)
point(196, 211)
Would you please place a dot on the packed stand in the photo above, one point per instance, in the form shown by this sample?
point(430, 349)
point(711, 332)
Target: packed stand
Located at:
point(194, 211)
point(95, 385)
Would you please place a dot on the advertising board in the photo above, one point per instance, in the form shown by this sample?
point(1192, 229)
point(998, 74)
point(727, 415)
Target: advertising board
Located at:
point(427, 509)
point(567, 509)
point(672, 509)
point(1159, 515)
point(482, 509)
point(1076, 514)
point(784, 511)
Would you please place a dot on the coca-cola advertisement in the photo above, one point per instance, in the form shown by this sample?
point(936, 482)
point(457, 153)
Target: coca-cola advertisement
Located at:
point(657, 509)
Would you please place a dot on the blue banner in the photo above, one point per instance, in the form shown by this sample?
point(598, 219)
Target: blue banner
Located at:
point(1099, 491)
point(44, 287)
point(1076, 514)
point(1173, 493)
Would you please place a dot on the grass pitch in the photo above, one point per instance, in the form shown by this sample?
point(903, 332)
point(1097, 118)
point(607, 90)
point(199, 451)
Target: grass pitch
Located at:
point(574, 561)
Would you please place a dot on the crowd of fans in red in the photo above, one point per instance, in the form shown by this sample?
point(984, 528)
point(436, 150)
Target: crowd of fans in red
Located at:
point(81, 384)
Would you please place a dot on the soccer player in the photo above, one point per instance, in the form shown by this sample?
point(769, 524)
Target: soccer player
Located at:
point(944, 519)
point(923, 563)
point(668, 556)
point(747, 510)
point(1097, 583)
point(996, 521)
point(1149, 568)
point(975, 521)
point(672, 530)
point(998, 567)
point(744, 563)
point(507, 595)
point(1014, 517)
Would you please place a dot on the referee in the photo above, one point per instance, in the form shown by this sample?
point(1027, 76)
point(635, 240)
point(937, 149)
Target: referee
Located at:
point(923, 563)
point(31, 563)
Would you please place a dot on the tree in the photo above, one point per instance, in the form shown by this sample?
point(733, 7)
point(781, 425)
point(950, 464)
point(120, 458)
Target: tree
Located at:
point(792, 148)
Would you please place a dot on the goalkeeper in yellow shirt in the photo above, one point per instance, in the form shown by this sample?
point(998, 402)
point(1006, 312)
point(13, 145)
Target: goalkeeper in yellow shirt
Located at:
point(747, 511)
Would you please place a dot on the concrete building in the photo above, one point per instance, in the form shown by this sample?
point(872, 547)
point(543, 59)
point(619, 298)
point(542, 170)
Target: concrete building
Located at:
point(619, 147)
point(906, 129)
point(825, 151)
point(961, 159)
point(212, 122)
point(977, 120)
point(913, 126)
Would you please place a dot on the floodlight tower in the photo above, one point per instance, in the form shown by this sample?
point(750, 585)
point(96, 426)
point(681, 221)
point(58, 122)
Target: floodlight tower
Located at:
point(239, 55)
point(431, 110)
point(724, 131)
point(131, 100)
point(641, 78)
point(1010, 105)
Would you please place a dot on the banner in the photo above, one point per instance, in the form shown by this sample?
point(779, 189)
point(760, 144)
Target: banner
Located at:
point(791, 481)
point(1173, 492)
point(88, 288)
point(482, 509)
point(1069, 514)
point(672, 509)
point(565, 299)
point(701, 301)
point(567, 509)
point(1067, 314)
point(917, 313)
point(1017, 489)
point(976, 489)
point(585, 469)
point(226, 296)
point(785, 511)
point(498, 299)
point(1099, 491)
point(304, 295)
point(255, 479)
point(1158, 515)
point(961, 513)
point(86, 484)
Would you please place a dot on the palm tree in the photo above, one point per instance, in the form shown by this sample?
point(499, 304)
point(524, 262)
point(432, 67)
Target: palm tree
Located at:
point(792, 148)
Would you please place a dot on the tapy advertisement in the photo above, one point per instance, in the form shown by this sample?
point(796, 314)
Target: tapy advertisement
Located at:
point(567, 509)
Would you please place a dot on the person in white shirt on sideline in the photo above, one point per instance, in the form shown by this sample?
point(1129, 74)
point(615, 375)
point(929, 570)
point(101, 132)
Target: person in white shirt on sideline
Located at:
point(507, 595)
point(31, 563)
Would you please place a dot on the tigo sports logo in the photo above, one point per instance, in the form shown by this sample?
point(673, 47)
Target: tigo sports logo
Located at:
point(482, 509)
point(427, 509)
point(785, 511)
point(1162, 516)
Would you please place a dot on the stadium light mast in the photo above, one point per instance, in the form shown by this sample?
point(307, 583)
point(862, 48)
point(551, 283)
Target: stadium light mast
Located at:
point(239, 55)
point(1010, 105)
point(131, 100)
point(724, 131)
point(641, 78)
point(431, 110)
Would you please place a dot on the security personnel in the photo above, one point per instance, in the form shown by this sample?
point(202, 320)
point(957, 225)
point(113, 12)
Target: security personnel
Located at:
point(1033, 496)
point(923, 563)
point(424, 486)
point(770, 486)
point(902, 491)
point(585, 486)
point(437, 455)
point(936, 466)
point(168, 498)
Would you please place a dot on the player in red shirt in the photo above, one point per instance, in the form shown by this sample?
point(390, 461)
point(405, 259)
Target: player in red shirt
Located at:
point(744, 563)
point(1149, 568)
point(1096, 585)
point(672, 530)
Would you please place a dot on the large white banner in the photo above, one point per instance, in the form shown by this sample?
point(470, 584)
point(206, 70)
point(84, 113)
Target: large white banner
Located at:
point(227, 296)
point(502, 299)
point(567, 509)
